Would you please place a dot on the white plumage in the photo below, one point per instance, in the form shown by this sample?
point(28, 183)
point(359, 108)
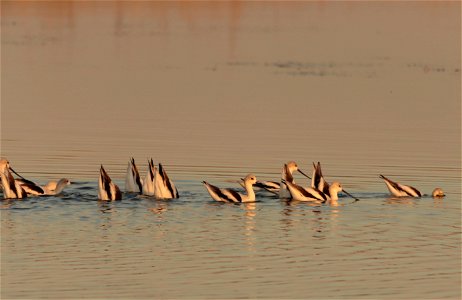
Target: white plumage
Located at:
point(107, 190)
point(148, 182)
point(401, 190)
point(229, 195)
point(299, 193)
point(164, 188)
point(133, 182)
point(50, 189)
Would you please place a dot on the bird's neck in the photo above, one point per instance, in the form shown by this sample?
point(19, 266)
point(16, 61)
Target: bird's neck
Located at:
point(333, 193)
point(59, 187)
point(250, 193)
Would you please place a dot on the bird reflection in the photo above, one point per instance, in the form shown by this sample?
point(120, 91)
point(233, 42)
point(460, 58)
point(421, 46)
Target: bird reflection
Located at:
point(7, 203)
point(250, 213)
point(159, 208)
point(401, 201)
point(106, 207)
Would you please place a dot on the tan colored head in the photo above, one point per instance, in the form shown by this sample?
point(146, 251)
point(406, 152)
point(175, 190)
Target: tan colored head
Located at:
point(336, 186)
point(438, 193)
point(4, 164)
point(252, 179)
point(292, 166)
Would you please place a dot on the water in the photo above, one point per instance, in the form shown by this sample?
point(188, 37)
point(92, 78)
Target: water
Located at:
point(215, 91)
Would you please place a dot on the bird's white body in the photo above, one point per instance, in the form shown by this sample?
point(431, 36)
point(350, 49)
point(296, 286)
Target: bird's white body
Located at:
point(401, 190)
point(50, 189)
point(228, 195)
point(133, 182)
point(107, 190)
point(300, 193)
point(164, 188)
point(158, 184)
point(148, 182)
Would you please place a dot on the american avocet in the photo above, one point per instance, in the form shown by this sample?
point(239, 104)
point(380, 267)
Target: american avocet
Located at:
point(133, 182)
point(228, 195)
point(148, 182)
point(318, 181)
point(438, 193)
point(107, 190)
point(286, 176)
point(300, 193)
point(163, 186)
point(50, 189)
point(401, 190)
point(11, 188)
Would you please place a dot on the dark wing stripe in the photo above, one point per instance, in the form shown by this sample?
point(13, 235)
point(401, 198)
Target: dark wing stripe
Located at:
point(136, 174)
point(289, 177)
point(118, 195)
point(416, 191)
point(23, 193)
point(218, 192)
point(317, 175)
point(166, 180)
point(393, 184)
point(325, 189)
point(302, 191)
point(106, 182)
point(11, 183)
point(151, 168)
point(260, 185)
point(235, 195)
point(322, 194)
point(34, 187)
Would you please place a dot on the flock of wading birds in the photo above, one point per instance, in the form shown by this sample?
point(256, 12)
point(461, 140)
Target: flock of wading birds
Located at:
point(160, 186)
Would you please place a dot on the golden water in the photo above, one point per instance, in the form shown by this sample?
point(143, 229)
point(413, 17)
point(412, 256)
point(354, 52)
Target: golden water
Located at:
point(215, 91)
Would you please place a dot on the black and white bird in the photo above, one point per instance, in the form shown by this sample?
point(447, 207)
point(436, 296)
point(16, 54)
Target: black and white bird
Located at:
point(300, 193)
point(11, 188)
point(318, 182)
point(133, 182)
point(287, 176)
point(50, 189)
point(148, 182)
point(164, 188)
point(107, 190)
point(401, 190)
point(229, 195)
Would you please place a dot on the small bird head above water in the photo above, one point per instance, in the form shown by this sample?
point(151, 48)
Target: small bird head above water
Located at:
point(336, 186)
point(438, 193)
point(64, 181)
point(250, 179)
point(4, 164)
point(292, 167)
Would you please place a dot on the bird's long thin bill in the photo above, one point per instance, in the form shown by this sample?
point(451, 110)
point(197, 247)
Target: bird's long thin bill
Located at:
point(12, 170)
point(350, 195)
point(304, 174)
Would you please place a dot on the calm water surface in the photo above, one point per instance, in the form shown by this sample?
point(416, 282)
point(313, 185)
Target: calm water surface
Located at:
point(215, 91)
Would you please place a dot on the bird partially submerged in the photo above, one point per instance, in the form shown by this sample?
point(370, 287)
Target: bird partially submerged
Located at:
point(229, 195)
